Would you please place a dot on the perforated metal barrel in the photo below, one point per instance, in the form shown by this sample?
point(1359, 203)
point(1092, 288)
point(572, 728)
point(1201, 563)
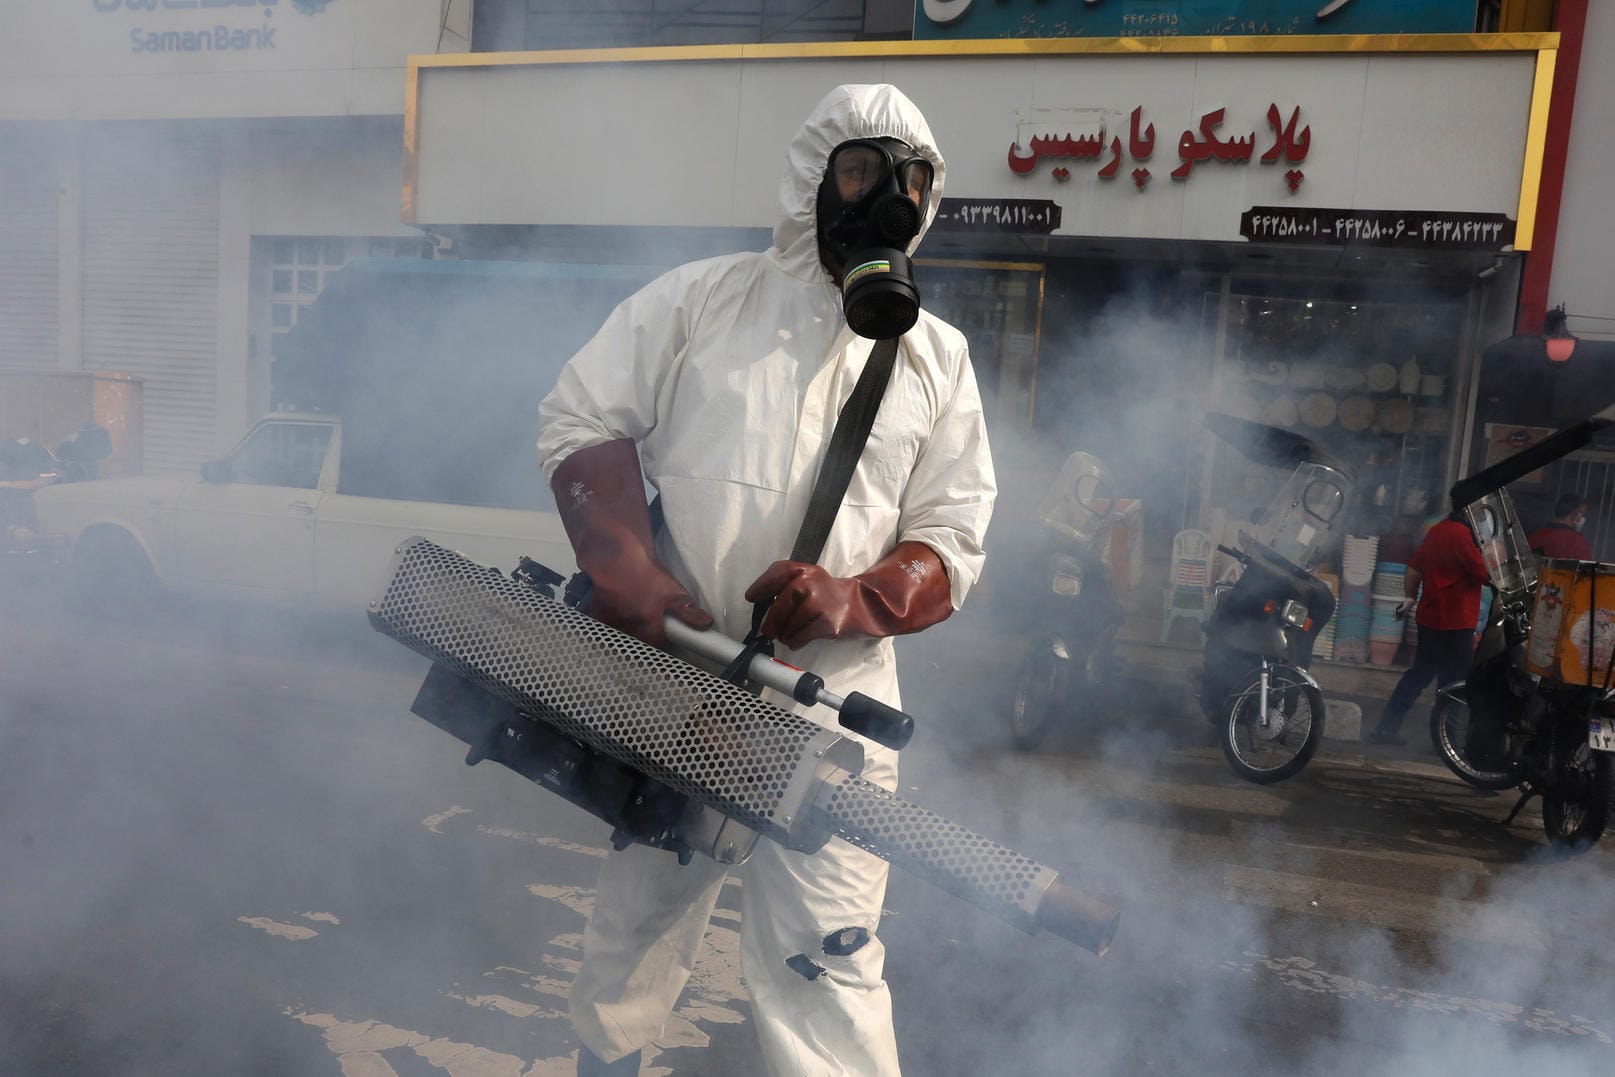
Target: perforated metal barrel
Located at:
point(779, 773)
point(923, 843)
point(693, 732)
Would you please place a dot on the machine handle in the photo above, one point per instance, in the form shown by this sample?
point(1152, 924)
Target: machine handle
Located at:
point(860, 713)
point(871, 718)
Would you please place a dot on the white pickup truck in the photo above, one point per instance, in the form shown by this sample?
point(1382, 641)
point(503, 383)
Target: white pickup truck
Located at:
point(269, 522)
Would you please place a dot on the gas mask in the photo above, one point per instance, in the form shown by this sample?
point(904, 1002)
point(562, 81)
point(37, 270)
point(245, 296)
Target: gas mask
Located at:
point(870, 207)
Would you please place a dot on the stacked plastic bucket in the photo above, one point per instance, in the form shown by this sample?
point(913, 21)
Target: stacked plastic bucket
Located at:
point(1353, 618)
point(1324, 645)
point(1384, 630)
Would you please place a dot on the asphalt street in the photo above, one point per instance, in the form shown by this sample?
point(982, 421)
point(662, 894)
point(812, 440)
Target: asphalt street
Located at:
point(229, 848)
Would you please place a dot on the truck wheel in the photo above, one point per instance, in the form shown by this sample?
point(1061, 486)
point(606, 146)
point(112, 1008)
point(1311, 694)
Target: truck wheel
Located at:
point(111, 576)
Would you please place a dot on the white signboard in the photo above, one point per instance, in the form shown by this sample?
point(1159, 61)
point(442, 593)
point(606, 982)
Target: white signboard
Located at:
point(158, 59)
point(1172, 146)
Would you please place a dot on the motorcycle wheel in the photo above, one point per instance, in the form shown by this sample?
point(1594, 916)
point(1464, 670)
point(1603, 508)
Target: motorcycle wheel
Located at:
point(1575, 823)
point(1449, 732)
point(1099, 675)
point(1287, 743)
point(1035, 686)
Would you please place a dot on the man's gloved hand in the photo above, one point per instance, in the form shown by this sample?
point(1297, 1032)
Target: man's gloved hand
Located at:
point(600, 494)
point(1402, 608)
point(905, 591)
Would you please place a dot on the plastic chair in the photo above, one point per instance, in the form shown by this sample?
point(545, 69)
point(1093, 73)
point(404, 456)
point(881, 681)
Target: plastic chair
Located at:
point(1188, 586)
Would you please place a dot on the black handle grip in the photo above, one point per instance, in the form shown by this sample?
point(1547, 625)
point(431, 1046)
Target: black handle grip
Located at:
point(871, 718)
point(1237, 555)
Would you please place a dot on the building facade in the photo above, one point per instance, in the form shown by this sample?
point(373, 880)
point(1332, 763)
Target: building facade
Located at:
point(1321, 226)
point(178, 179)
point(1319, 232)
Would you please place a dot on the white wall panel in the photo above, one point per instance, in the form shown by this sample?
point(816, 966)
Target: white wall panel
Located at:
point(28, 249)
point(151, 279)
point(73, 59)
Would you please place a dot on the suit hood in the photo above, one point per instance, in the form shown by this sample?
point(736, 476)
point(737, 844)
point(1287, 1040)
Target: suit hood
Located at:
point(847, 112)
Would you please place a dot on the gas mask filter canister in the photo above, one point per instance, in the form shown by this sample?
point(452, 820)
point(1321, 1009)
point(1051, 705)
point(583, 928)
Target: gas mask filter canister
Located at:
point(869, 210)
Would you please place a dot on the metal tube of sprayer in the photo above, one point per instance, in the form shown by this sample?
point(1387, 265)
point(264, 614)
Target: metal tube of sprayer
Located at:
point(862, 714)
point(990, 876)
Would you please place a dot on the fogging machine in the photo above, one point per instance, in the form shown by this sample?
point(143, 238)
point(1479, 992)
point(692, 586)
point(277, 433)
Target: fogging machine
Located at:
point(678, 758)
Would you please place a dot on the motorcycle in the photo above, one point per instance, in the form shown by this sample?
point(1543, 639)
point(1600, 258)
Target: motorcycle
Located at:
point(1069, 664)
point(1254, 685)
point(1536, 710)
point(26, 466)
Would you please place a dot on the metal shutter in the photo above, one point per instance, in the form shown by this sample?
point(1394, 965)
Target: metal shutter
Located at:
point(151, 269)
point(28, 300)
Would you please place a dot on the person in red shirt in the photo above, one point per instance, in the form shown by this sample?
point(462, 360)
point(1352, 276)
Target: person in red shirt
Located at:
point(1562, 536)
point(1449, 565)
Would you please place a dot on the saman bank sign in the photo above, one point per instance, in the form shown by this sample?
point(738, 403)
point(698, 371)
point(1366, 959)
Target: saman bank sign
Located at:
point(191, 26)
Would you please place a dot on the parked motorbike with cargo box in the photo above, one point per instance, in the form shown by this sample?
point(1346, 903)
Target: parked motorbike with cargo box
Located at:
point(1537, 711)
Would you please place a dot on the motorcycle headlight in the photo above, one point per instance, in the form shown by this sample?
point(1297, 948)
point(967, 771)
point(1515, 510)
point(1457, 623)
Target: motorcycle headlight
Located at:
point(1067, 577)
point(1294, 614)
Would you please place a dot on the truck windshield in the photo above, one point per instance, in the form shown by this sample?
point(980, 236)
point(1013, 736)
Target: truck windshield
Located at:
point(282, 454)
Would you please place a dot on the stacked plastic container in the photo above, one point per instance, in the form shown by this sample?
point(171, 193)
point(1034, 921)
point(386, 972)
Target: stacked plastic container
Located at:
point(1385, 631)
point(1357, 558)
point(1324, 645)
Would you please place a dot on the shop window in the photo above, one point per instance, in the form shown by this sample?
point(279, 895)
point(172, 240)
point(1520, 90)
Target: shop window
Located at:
point(1375, 384)
point(998, 306)
point(290, 272)
point(301, 266)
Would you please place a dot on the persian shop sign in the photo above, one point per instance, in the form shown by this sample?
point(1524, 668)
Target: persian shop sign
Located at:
point(1206, 143)
point(965, 19)
point(193, 35)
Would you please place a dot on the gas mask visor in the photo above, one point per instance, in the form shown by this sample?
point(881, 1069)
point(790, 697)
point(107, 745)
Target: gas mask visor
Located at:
point(870, 207)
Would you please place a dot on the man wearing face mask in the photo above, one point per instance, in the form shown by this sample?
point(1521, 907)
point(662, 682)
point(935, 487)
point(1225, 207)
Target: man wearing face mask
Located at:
point(1562, 537)
point(722, 382)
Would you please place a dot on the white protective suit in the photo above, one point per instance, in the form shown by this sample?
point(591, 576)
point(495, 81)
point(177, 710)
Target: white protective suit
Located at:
point(729, 374)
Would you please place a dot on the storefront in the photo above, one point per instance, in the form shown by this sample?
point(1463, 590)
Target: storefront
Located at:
point(179, 178)
point(1317, 232)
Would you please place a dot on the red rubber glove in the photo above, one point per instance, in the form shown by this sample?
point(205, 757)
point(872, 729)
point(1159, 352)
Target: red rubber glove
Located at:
point(600, 494)
point(905, 591)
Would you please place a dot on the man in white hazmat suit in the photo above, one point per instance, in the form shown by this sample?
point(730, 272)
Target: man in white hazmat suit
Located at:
point(723, 380)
